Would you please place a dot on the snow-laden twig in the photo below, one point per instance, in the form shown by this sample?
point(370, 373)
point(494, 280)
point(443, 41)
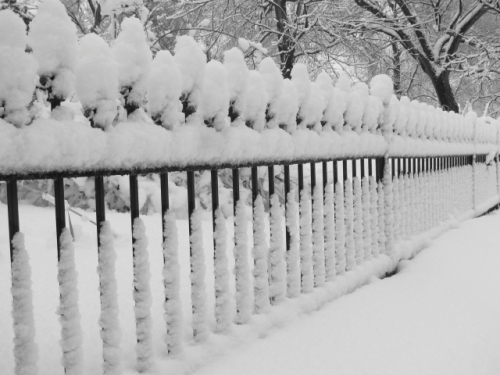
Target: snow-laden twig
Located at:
point(69, 315)
point(223, 315)
point(340, 249)
point(171, 284)
point(277, 265)
point(259, 252)
point(292, 254)
point(110, 325)
point(306, 264)
point(142, 298)
point(242, 268)
point(25, 348)
point(329, 223)
point(350, 249)
point(318, 238)
point(197, 276)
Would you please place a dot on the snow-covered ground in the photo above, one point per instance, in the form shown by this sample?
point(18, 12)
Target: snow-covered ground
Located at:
point(435, 316)
point(438, 315)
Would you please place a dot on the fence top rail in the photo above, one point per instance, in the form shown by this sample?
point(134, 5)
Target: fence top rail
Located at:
point(42, 175)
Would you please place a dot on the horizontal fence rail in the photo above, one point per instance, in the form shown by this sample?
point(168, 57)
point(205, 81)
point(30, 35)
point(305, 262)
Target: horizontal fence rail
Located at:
point(383, 172)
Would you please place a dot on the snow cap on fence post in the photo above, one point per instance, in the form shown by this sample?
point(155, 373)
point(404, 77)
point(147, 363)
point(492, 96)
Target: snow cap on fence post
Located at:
point(354, 110)
point(164, 91)
point(300, 79)
point(54, 42)
point(314, 108)
point(97, 81)
point(431, 122)
point(403, 116)
point(133, 60)
point(254, 114)
point(288, 107)
point(344, 83)
point(273, 82)
point(363, 91)
point(324, 83)
point(237, 80)
point(381, 86)
point(214, 106)
point(191, 62)
point(340, 105)
point(17, 70)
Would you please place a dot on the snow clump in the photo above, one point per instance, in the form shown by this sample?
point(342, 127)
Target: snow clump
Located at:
point(97, 81)
point(17, 70)
point(55, 47)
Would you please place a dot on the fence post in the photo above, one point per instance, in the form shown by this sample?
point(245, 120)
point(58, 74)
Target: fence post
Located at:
point(164, 199)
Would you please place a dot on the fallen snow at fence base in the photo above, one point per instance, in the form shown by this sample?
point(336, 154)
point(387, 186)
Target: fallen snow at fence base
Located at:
point(438, 315)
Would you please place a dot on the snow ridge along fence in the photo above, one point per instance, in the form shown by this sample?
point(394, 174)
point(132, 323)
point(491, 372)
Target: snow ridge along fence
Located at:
point(392, 173)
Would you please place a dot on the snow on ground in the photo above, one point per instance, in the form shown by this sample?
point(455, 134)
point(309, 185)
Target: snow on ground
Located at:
point(437, 315)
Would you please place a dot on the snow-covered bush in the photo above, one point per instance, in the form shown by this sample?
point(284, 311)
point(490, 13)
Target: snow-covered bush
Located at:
point(55, 47)
point(17, 70)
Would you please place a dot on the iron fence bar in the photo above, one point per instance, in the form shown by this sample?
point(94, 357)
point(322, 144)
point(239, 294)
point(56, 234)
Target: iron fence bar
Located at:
point(286, 188)
point(344, 169)
point(325, 174)
point(270, 177)
point(13, 214)
point(100, 206)
point(313, 178)
point(214, 184)
point(300, 171)
point(354, 168)
point(255, 184)
point(60, 212)
point(134, 202)
point(236, 189)
point(164, 194)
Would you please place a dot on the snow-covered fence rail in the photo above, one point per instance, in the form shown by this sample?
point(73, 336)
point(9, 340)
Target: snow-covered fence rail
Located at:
point(393, 172)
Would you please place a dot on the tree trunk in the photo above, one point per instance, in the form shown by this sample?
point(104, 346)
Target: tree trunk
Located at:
point(441, 85)
point(286, 46)
point(396, 70)
point(444, 92)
